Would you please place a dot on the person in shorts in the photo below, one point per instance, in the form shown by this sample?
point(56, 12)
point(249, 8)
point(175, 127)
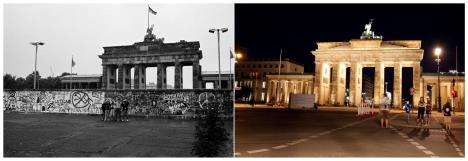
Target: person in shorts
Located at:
point(448, 117)
point(421, 109)
point(384, 102)
point(428, 111)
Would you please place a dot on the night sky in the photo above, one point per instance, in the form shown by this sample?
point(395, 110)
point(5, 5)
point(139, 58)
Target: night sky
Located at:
point(263, 29)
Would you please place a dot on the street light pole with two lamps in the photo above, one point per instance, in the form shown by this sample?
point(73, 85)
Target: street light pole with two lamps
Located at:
point(35, 61)
point(223, 30)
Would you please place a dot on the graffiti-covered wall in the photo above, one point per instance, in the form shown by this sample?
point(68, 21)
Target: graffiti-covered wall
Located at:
point(142, 102)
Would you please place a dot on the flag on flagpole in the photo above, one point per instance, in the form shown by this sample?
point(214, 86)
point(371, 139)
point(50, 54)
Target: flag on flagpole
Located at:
point(73, 62)
point(232, 54)
point(152, 11)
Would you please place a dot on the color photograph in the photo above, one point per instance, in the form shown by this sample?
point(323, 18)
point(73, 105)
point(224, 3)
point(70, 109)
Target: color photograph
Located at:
point(349, 80)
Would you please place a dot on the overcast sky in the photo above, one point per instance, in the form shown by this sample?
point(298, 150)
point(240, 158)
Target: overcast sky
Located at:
point(82, 30)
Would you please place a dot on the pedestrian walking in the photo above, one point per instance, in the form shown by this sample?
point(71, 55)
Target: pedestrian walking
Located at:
point(421, 109)
point(408, 111)
point(103, 111)
point(107, 109)
point(125, 105)
point(428, 111)
point(112, 111)
point(448, 117)
point(384, 102)
point(118, 114)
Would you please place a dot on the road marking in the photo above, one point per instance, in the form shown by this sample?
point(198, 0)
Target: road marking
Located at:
point(257, 151)
point(458, 149)
point(237, 154)
point(434, 156)
point(428, 152)
point(421, 147)
point(280, 147)
point(454, 145)
point(311, 136)
point(414, 143)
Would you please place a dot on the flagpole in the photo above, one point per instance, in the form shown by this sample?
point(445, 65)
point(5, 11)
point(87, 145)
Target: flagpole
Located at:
point(279, 74)
point(148, 16)
point(230, 71)
point(71, 74)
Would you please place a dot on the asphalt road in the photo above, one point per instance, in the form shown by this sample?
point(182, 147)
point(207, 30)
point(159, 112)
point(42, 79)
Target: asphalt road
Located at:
point(337, 132)
point(63, 135)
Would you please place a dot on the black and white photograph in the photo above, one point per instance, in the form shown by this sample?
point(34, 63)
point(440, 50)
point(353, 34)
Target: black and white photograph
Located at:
point(118, 80)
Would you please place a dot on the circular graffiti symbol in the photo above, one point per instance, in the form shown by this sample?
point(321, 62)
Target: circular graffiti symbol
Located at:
point(205, 98)
point(80, 99)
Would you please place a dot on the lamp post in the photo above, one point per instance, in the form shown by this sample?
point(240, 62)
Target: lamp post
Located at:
point(223, 30)
point(35, 61)
point(437, 52)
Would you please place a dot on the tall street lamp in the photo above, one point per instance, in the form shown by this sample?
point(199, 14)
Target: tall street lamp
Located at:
point(437, 52)
point(35, 61)
point(223, 30)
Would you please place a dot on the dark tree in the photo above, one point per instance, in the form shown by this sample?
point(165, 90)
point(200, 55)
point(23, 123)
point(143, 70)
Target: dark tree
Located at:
point(210, 134)
point(9, 81)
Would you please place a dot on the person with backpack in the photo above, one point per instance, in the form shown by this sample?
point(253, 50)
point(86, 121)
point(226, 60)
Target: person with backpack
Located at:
point(428, 111)
point(408, 110)
point(448, 117)
point(421, 109)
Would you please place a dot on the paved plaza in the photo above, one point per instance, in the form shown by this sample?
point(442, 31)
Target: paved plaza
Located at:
point(80, 135)
point(337, 132)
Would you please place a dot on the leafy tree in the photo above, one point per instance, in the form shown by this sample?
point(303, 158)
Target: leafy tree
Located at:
point(29, 83)
point(9, 81)
point(210, 134)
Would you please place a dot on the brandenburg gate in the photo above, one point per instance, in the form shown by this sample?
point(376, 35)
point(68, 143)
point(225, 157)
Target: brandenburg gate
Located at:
point(152, 52)
point(333, 58)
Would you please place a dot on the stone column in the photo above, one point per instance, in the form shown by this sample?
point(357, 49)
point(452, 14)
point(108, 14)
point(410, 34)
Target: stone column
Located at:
point(397, 84)
point(379, 82)
point(139, 77)
point(338, 83)
point(112, 77)
point(127, 77)
point(161, 83)
point(355, 90)
point(104, 78)
point(319, 81)
point(416, 82)
point(121, 70)
point(196, 75)
point(178, 84)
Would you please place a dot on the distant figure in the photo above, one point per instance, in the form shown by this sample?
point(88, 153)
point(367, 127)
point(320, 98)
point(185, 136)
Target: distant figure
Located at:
point(408, 110)
point(118, 114)
point(428, 111)
point(125, 110)
point(107, 110)
point(448, 117)
point(103, 109)
point(384, 102)
point(421, 109)
point(112, 111)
